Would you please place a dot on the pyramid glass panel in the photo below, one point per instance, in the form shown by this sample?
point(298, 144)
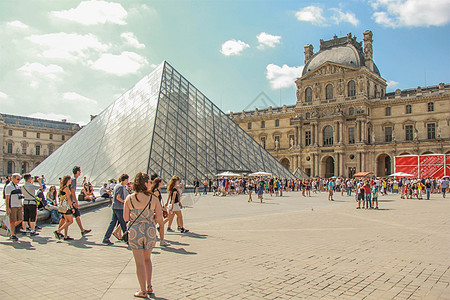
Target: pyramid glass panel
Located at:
point(162, 125)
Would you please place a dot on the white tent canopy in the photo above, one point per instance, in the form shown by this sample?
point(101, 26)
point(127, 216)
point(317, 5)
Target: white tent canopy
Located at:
point(260, 174)
point(401, 174)
point(228, 174)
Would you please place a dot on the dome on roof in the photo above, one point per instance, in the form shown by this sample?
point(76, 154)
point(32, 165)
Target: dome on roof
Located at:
point(344, 51)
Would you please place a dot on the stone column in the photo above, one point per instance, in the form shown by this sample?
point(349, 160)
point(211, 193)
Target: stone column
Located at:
point(364, 131)
point(341, 130)
point(357, 132)
point(335, 133)
point(342, 163)
point(317, 135)
point(363, 161)
point(300, 138)
point(358, 161)
point(313, 165)
point(316, 167)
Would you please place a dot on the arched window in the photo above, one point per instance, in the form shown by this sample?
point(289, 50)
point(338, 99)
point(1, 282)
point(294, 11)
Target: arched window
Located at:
point(351, 88)
point(351, 111)
point(308, 95)
point(328, 135)
point(329, 90)
point(51, 148)
point(10, 167)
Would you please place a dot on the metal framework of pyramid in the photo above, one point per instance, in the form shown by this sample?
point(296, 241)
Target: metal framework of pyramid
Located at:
point(163, 125)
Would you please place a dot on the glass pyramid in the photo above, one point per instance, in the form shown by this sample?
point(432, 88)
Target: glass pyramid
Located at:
point(162, 125)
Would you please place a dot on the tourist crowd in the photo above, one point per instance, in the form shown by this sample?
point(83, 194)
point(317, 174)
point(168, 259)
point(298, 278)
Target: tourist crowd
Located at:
point(140, 214)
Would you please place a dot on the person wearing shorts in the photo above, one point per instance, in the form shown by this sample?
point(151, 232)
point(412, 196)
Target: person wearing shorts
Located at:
point(29, 204)
point(13, 201)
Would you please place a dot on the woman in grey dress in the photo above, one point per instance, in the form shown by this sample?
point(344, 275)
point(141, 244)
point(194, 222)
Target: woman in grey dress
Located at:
point(140, 209)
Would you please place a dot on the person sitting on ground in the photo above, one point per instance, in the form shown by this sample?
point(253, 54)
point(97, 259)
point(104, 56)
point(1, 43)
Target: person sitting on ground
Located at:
point(105, 192)
point(85, 195)
point(55, 215)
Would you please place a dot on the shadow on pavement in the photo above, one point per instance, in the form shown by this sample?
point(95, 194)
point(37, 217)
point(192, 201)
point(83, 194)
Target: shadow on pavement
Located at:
point(177, 250)
point(83, 243)
point(22, 245)
point(195, 235)
point(153, 296)
point(177, 243)
point(41, 239)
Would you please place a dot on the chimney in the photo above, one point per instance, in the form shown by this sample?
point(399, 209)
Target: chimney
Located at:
point(308, 52)
point(368, 50)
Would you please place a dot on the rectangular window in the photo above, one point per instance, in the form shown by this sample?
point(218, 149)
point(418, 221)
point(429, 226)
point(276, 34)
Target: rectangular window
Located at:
point(409, 132)
point(10, 148)
point(431, 131)
point(263, 124)
point(388, 111)
point(64, 138)
point(307, 138)
point(430, 106)
point(38, 135)
point(277, 123)
point(24, 148)
point(408, 109)
point(263, 142)
point(50, 136)
point(351, 135)
point(388, 134)
point(249, 125)
point(24, 134)
point(38, 150)
point(10, 132)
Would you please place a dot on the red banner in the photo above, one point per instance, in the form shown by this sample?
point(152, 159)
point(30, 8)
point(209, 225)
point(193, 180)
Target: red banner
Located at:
point(425, 166)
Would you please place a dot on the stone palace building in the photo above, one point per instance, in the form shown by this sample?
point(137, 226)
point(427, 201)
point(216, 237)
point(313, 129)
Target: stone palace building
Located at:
point(344, 121)
point(28, 141)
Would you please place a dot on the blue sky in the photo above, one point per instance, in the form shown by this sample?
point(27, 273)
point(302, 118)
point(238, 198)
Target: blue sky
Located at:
point(70, 59)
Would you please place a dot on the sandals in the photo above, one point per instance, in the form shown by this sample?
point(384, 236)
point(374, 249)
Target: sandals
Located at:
point(149, 289)
point(141, 294)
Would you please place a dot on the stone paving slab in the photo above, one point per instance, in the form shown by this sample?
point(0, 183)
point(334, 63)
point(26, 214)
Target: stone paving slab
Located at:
point(286, 248)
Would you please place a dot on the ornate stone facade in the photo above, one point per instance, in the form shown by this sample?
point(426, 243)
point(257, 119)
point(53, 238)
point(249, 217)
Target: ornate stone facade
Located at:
point(344, 121)
point(28, 141)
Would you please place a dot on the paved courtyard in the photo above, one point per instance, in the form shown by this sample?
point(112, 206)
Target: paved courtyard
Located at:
point(286, 248)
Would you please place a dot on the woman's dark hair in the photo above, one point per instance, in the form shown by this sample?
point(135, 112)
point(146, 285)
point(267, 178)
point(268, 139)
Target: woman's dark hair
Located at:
point(50, 191)
point(64, 182)
point(139, 183)
point(155, 184)
point(123, 177)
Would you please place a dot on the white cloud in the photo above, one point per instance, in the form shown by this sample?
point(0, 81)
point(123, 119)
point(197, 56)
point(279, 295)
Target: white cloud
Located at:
point(312, 14)
point(77, 98)
point(17, 24)
point(340, 16)
point(233, 47)
point(282, 77)
point(411, 13)
point(391, 84)
point(132, 40)
point(68, 45)
point(3, 96)
point(94, 12)
point(267, 40)
point(123, 64)
point(37, 71)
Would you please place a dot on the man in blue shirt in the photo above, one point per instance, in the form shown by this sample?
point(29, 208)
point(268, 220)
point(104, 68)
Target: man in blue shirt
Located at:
point(330, 190)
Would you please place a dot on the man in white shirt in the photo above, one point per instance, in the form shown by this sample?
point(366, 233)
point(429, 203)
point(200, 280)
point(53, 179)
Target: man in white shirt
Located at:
point(13, 201)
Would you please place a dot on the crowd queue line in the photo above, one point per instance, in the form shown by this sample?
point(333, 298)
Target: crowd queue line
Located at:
point(139, 212)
